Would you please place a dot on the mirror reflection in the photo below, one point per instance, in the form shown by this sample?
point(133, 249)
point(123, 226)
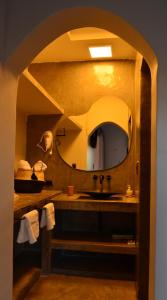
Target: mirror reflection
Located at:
point(107, 147)
point(99, 139)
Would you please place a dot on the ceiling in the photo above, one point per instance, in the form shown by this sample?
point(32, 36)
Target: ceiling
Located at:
point(73, 46)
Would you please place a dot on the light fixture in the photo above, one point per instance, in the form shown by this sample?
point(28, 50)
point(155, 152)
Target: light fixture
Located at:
point(102, 51)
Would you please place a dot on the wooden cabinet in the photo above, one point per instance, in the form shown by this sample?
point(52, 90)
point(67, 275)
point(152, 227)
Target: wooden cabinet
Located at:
point(93, 226)
point(26, 257)
point(91, 237)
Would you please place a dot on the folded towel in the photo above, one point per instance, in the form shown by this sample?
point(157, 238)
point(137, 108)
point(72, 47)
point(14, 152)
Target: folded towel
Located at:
point(39, 166)
point(29, 228)
point(48, 216)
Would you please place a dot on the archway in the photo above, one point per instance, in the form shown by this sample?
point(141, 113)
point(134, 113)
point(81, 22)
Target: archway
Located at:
point(70, 19)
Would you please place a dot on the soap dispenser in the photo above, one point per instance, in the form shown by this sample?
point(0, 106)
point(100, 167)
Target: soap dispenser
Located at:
point(129, 191)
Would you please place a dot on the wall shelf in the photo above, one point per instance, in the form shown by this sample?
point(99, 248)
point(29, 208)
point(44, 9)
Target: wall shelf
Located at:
point(33, 99)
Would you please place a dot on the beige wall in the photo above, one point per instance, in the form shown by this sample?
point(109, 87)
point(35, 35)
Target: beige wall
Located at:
point(20, 142)
point(148, 18)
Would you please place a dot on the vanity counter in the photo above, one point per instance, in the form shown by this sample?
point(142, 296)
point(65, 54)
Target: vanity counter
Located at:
point(26, 202)
point(86, 203)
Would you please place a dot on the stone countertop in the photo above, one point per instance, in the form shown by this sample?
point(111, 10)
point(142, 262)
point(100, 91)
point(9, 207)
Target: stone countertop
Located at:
point(86, 203)
point(26, 202)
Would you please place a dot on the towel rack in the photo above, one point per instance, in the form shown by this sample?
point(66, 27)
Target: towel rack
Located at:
point(22, 218)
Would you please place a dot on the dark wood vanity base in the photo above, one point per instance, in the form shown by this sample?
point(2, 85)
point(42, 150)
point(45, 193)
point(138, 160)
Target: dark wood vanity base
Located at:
point(97, 265)
point(85, 240)
point(85, 225)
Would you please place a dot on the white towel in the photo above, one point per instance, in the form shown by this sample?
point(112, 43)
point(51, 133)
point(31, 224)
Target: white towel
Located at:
point(39, 166)
point(48, 216)
point(29, 228)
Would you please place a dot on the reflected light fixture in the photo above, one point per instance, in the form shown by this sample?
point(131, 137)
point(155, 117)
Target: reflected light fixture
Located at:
point(102, 51)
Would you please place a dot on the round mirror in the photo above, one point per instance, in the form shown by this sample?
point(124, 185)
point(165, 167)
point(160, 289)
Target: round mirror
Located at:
point(97, 140)
point(107, 147)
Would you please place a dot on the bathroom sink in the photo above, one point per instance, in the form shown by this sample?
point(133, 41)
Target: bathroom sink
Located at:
point(103, 195)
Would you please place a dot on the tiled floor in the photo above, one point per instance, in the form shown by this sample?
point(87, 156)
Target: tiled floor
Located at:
point(63, 287)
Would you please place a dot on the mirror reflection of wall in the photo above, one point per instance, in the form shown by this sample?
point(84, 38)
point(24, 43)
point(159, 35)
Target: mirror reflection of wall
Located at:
point(99, 139)
point(107, 147)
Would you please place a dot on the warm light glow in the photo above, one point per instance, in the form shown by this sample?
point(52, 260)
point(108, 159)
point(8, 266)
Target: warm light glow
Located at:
point(97, 52)
point(105, 74)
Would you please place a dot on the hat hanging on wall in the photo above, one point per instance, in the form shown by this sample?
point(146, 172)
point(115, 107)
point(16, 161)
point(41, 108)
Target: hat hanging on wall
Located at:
point(46, 142)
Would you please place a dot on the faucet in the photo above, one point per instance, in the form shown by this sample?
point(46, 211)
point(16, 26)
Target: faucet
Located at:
point(101, 182)
point(108, 177)
point(95, 177)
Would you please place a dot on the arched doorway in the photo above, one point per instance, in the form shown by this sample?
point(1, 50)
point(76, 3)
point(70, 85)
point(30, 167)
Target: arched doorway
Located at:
point(74, 18)
point(70, 19)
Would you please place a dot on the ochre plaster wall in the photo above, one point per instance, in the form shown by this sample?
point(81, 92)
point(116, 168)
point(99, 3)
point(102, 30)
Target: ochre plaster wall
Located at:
point(20, 142)
point(76, 86)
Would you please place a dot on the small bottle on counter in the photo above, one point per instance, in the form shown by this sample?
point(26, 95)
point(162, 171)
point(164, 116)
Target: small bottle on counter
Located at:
point(129, 191)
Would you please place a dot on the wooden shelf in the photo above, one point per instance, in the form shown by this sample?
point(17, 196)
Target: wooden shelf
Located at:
point(78, 242)
point(113, 266)
point(34, 99)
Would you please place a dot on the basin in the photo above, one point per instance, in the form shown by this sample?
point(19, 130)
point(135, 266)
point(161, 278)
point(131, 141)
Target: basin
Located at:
point(103, 195)
point(28, 186)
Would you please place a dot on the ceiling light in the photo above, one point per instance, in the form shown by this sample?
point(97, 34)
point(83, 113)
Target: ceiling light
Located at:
point(102, 51)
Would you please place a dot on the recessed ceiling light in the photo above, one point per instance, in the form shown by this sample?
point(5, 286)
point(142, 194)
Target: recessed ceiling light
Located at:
point(102, 51)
